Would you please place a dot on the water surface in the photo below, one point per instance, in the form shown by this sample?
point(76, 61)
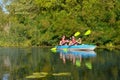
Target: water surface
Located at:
point(42, 64)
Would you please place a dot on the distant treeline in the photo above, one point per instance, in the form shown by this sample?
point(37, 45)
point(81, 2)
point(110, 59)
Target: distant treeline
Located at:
point(43, 22)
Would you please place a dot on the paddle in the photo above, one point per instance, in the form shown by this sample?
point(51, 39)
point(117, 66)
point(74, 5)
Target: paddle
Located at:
point(88, 65)
point(78, 63)
point(76, 34)
point(54, 49)
point(87, 32)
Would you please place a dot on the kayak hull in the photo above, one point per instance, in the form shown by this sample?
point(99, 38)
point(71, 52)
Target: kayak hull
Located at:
point(84, 47)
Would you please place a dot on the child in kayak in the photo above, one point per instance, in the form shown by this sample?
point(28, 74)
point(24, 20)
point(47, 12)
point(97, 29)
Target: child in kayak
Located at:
point(63, 41)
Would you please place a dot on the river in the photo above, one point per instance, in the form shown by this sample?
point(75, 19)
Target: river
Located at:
point(42, 64)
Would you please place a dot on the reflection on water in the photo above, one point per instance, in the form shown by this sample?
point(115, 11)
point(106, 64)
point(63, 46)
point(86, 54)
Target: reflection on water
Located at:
point(76, 57)
point(7, 65)
point(41, 63)
point(6, 61)
point(6, 76)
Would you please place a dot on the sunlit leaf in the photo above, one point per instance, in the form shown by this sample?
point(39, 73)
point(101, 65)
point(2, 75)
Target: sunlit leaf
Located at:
point(40, 73)
point(44, 74)
point(61, 74)
point(34, 76)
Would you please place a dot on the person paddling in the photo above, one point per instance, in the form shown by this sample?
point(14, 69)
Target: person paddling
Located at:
point(63, 41)
point(73, 41)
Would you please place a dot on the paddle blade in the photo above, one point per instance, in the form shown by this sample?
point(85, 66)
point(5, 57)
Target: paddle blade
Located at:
point(87, 32)
point(65, 49)
point(77, 34)
point(53, 49)
point(88, 65)
point(78, 63)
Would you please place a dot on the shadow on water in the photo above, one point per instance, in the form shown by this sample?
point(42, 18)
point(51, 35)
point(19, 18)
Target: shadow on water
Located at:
point(42, 64)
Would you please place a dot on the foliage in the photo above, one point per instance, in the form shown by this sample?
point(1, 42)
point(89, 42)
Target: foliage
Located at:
point(43, 22)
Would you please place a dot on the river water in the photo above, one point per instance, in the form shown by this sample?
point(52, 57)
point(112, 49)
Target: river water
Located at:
point(42, 64)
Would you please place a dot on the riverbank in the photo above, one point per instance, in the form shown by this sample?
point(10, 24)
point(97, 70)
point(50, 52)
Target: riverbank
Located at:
point(27, 44)
point(109, 47)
